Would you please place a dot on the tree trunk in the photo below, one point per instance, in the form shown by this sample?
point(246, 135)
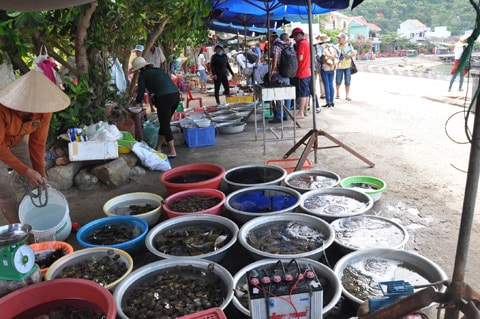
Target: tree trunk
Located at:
point(81, 57)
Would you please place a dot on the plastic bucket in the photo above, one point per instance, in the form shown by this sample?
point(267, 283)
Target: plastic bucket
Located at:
point(49, 223)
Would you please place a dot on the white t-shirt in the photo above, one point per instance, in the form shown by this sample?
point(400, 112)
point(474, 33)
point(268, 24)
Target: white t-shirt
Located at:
point(457, 51)
point(200, 62)
point(156, 58)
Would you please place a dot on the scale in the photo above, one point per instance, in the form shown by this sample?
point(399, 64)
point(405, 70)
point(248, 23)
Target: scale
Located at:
point(17, 260)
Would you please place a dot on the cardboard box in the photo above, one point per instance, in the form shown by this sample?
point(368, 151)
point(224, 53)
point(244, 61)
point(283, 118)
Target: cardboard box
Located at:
point(92, 150)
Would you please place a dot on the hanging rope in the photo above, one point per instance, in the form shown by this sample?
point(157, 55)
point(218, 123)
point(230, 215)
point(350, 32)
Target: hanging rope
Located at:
point(35, 194)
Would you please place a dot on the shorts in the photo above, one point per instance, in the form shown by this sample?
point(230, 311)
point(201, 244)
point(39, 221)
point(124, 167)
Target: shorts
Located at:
point(203, 75)
point(339, 76)
point(304, 86)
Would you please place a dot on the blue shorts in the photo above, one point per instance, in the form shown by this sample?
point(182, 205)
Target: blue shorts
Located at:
point(339, 76)
point(304, 86)
point(203, 75)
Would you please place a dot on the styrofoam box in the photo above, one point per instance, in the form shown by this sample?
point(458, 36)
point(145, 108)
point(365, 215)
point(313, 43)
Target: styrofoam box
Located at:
point(92, 150)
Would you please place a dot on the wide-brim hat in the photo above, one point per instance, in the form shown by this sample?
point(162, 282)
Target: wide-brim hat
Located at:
point(465, 37)
point(461, 44)
point(138, 63)
point(233, 52)
point(323, 37)
point(33, 92)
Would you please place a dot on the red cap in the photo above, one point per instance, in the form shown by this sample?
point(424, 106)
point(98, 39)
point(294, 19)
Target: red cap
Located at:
point(295, 31)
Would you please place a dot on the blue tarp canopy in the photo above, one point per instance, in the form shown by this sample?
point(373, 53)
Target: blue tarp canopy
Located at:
point(238, 29)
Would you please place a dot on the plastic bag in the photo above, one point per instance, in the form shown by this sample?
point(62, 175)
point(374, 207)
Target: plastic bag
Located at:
point(150, 134)
point(104, 132)
point(150, 158)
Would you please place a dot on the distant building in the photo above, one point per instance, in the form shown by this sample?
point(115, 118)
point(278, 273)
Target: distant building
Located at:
point(360, 28)
point(438, 33)
point(336, 21)
point(413, 29)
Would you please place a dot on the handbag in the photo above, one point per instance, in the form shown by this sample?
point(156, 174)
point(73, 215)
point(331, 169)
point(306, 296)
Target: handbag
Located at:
point(353, 67)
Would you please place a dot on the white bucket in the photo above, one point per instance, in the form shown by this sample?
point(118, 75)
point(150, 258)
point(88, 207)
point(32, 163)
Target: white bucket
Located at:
point(51, 222)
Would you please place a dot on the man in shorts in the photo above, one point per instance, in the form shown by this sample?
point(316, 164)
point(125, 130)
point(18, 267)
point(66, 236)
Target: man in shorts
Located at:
point(304, 73)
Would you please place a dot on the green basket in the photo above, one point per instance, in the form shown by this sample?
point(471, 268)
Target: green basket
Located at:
point(370, 185)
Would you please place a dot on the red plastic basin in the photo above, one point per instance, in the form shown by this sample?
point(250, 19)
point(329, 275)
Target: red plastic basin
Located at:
point(41, 298)
point(215, 210)
point(170, 178)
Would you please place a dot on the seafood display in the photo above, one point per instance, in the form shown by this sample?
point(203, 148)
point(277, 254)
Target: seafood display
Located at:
point(194, 203)
point(103, 270)
point(362, 277)
point(134, 207)
point(363, 186)
point(47, 257)
point(174, 292)
point(111, 234)
point(191, 240)
point(312, 181)
point(361, 232)
point(285, 238)
point(191, 178)
point(335, 205)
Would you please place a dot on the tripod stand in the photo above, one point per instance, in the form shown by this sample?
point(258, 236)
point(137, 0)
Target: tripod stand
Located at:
point(312, 144)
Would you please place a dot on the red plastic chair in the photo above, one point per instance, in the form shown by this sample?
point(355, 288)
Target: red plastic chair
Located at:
point(191, 98)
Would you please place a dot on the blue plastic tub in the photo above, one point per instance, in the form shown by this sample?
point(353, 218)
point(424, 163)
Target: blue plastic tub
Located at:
point(131, 246)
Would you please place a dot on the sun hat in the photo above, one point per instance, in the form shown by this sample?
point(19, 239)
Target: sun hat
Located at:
point(138, 63)
point(33, 92)
point(461, 44)
point(296, 31)
point(323, 37)
point(233, 52)
point(465, 37)
point(139, 47)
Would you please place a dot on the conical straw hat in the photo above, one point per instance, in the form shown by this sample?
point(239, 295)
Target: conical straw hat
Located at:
point(33, 92)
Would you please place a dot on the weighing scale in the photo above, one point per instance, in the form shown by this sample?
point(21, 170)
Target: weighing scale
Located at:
point(17, 260)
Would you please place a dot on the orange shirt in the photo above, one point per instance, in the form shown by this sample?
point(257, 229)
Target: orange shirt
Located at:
point(13, 129)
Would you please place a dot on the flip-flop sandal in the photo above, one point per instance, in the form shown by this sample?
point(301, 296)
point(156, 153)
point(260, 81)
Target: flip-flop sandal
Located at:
point(348, 99)
point(337, 97)
point(171, 156)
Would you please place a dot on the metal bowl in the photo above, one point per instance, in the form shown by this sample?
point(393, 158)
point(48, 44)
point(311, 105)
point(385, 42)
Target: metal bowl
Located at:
point(246, 203)
point(253, 175)
point(332, 203)
point(136, 198)
point(147, 272)
point(368, 231)
point(240, 105)
point(88, 254)
point(14, 233)
point(331, 285)
point(221, 112)
point(196, 220)
point(307, 180)
point(385, 264)
point(232, 129)
point(296, 222)
point(227, 118)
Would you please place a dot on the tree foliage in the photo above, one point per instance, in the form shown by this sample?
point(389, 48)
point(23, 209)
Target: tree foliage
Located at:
point(86, 39)
point(457, 15)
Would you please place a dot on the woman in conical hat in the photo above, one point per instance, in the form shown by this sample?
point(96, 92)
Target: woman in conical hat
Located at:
point(26, 107)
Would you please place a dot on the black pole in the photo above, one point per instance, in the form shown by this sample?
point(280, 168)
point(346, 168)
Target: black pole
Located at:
point(454, 291)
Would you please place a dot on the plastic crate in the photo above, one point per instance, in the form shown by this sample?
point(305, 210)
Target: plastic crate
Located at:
point(289, 164)
point(267, 111)
point(212, 313)
point(195, 137)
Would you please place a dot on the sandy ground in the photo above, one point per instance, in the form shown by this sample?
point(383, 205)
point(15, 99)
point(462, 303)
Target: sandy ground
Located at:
point(410, 127)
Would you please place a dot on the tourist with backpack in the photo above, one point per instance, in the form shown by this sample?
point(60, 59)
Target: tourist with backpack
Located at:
point(246, 67)
point(344, 67)
point(280, 67)
point(327, 58)
point(304, 73)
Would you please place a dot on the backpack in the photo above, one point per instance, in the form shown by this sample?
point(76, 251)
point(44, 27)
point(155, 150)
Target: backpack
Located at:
point(252, 57)
point(288, 64)
point(329, 58)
